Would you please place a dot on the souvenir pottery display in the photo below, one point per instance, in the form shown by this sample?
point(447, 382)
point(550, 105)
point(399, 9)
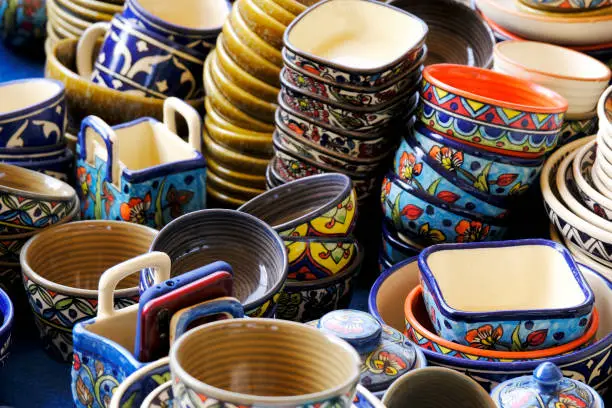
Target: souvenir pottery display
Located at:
point(62, 285)
point(119, 179)
point(22, 22)
point(394, 247)
point(7, 316)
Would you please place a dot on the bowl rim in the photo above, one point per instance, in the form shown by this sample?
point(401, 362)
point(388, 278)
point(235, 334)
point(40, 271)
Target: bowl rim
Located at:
point(557, 103)
point(57, 96)
point(8, 314)
point(557, 19)
point(65, 192)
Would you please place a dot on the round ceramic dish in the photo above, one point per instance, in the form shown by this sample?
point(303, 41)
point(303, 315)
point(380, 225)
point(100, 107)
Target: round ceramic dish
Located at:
point(457, 34)
point(567, 5)
point(231, 159)
point(275, 11)
point(581, 172)
point(262, 24)
point(394, 248)
point(6, 324)
point(258, 143)
point(255, 251)
point(556, 28)
point(484, 108)
point(603, 150)
point(294, 7)
point(601, 180)
point(576, 129)
point(577, 77)
point(61, 167)
point(604, 112)
point(101, 6)
point(390, 290)
point(62, 285)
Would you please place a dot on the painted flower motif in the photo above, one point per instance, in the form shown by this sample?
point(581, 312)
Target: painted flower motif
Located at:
point(387, 363)
point(570, 401)
point(84, 179)
point(136, 209)
point(336, 251)
point(339, 213)
point(83, 394)
point(108, 197)
point(431, 235)
point(448, 159)
point(471, 231)
point(597, 209)
point(409, 168)
point(76, 362)
point(345, 323)
point(304, 273)
point(484, 337)
point(30, 7)
point(177, 199)
point(386, 189)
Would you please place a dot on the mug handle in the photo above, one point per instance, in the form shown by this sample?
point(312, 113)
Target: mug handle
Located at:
point(110, 140)
point(183, 318)
point(172, 106)
point(158, 261)
point(85, 48)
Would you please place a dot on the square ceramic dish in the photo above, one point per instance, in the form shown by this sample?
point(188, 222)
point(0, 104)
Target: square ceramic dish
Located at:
point(512, 295)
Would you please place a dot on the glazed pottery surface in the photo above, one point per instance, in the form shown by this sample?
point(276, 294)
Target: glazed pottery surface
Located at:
point(582, 177)
point(305, 380)
point(22, 23)
point(394, 248)
point(32, 113)
point(604, 112)
point(261, 23)
point(61, 167)
point(576, 129)
point(7, 315)
point(567, 5)
point(138, 386)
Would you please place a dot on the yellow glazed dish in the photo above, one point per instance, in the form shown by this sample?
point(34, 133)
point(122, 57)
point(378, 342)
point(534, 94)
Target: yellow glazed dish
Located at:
point(234, 160)
point(241, 179)
point(294, 7)
point(99, 6)
point(83, 12)
point(54, 10)
point(275, 11)
point(263, 25)
point(232, 189)
point(223, 199)
point(258, 144)
point(223, 122)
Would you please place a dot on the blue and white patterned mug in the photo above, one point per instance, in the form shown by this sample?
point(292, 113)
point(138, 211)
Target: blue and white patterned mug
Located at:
point(135, 60)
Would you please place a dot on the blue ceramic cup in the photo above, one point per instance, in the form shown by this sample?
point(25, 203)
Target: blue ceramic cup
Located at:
point(135, 60)
point(32, 113)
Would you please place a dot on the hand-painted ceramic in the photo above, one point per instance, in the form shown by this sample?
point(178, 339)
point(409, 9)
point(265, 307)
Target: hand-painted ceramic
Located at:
point(22, 22)
point(493, 174)
point(322, 205)
point(591, 364)
point(576, 129)
point(32, 113)
point(6, 324)
point(567, 5)
point(138, 386)
point(31, 201)
point(312, 258)
point(376, 55)
point(120, 180)
point(255, 251)
point(304, 380)
point(393, 247)
point(61, 168)
point(61, 285)
point(581, 172)
point(428, 174)
point(492, 117)
point(139, 61)
point(420, 330)
point(34, 153)
point(431, 220)
point(546, 384)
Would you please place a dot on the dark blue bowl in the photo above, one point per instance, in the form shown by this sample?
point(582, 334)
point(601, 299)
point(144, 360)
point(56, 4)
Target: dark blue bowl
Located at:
point(6, 323)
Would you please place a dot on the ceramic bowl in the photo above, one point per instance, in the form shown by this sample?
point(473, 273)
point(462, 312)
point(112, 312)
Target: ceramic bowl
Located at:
point(604, 151)
point(503, 316)
point(376, 55)
point(20, 29)
point(61, 168)
point(222, 200)
point(255, 251)
point(33, 153)
point(293, 6)
point(262, 24)
point(590, 363)
point(556, 28)
point(275, 11)
point(84, 98)
point(506, 176)
point(231, 189)
point(576, 129)
point(581, 172)
point(567, 5)
point(394, 248)
point(431, 220)
point(137, 387)
point(483, 108)
point(84, 12)
point(241, 179)
point(258, 143)
point(232, 159)
point(601, 178)
point(62, 284)
point(100, 6)
point(6, 324)
point(604, 112)
point(31, 200)
point(329, 211)
point(577, 77)
point(430, 176)
point(457, 34)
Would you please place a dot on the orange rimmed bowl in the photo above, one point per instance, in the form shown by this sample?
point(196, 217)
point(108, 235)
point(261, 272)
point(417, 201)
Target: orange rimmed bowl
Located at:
point(491, 110)
point(420, 330)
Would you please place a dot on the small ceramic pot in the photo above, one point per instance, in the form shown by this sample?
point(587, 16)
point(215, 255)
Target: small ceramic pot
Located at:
point(420, 329)
point(494, 120)
point(330, 209)
point(577, 77)
point(117, 180)
point(308, 380)
point(442, 387)
point(33, 113)
point(377, 58)
point(430, 175)
point(567, 5)
point(255, 251)
point(505, 176)
point(195, 29)
point(576, 129)
point(394, 248)
point(582, 165)
point(31, 201)
point(62, 285)
point(7, 315)
point(507, 320)
point(139, 61)
point(431, 220)
point(19, 28)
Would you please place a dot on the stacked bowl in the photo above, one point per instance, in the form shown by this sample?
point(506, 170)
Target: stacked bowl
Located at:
point(241, 78)
point(341, 100)
point(479, 142)
point(576, 185)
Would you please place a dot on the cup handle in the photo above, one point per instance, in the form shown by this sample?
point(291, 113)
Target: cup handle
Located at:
point(158, 261)
point(85, 48)
point(172, 106)
point(110, 140)
point(181, 320)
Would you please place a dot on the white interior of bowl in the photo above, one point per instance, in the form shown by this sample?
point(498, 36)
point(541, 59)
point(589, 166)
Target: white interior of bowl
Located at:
point(524, 277)
point(195, 14)
point(356, 33)
point(23, 94)
point(584, 179)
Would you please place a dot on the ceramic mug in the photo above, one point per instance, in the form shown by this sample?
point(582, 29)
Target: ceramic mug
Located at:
point(134, 60)
point(263, 363)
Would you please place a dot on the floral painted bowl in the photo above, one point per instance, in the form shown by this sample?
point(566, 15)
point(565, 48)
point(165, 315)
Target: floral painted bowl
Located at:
point(519, 321)
point(429, 175)
point(431, 220)
point(7, 315)
point(591, 363)
point(394, 248)
point(484, 109)
point(567, 5)
point(388, 42)
point(137, 387)
point(575, 129)
point(504, 175)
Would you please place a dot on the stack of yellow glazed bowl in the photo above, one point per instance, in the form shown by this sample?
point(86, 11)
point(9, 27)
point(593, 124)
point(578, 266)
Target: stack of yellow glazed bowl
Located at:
point(241, 78)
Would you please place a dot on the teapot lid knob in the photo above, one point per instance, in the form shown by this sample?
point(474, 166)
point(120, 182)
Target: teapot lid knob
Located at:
point(547, 377)
point(361, 330)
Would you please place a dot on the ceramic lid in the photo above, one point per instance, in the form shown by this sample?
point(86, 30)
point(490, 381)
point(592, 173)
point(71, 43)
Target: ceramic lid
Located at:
point(385, 353)
point(545, 388)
